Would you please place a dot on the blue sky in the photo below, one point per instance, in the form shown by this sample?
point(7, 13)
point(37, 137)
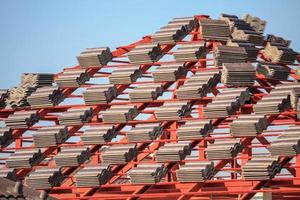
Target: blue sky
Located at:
point(45, 36)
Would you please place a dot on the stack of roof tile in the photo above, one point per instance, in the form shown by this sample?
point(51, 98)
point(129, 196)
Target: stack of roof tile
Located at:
point(120, 113)
point(22, 119)
point(248, 125)
point(196, 171)
point(29, 83)
point(277, 41)
point(280, 54)
point(214, 29)
point(25, 158)
point(287, 143)
point(144, 132)
point(169, 72)
point(45, 97)
point(75, 116)
point(5, 136)
point(194, 129)
point(241, 30)
point(198, 85)
point(294, 97)
point(72, 156)
point(72, 78)
point(147, 173)
point(277, 100)
point(173, 152)
point(250, 48)
point(125, 75)
point(190, 51)
point(44, 178)
point(145, 53)
point(261, 168)
point(227, 102)
point(93, 175)
point(94, 57)
point(173, 110)
point(3, 96)
point(100, 94)
point(50, 136)
point(187, 23)
point(119, 154)
point(99, 134)
point(239, 74)
point(174, 31)
point(256, 23)
point(276, 72)
point(9, 173)
point(229, 54)
point(145, 93)
point(224, 149)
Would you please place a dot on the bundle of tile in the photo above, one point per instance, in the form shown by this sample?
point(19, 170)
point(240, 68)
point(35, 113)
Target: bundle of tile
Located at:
point(169, 72)
point(194, 129)
point(120, 113)
point(261, 168)
point(241, 30)
point(250, 48)
point(223, 149)
point(144, 132)
point(239, 74)
point(5, 136)
point(45, 97)
point(93, 175)
point(145, 53)
point(229, 54)
point(44, 178)
point(276, 72)
point(256, 23)
point(125, 75)
point(146, 92)
point(119, 154)
point(22, 119)
point(227, 102)
point(3, 96)
point(187, 23)
point(287, 143)
point(280, 54)
point(199, 84)
point(147, 173)
point(72, 78)
point(277, 41)
point(94, 57)
point(100, 94)
point(174, 31)
point(75, 116)
point(294, 97)
point(173, 151)
point(173, 110)
point(29, 83)
point(190, 51)
point(214, 29)
point(277, 100)
point(50, 136)
point(72, 156)
point(196, 171)
point(248, 125)
point(99, 134)
point(25, 158)
point(9, 173)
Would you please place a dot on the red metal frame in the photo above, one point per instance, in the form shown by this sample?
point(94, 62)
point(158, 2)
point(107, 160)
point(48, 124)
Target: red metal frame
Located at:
point(232, 186)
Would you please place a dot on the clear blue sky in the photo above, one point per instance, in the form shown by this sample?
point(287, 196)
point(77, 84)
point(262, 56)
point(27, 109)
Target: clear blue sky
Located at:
point(45, 36)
